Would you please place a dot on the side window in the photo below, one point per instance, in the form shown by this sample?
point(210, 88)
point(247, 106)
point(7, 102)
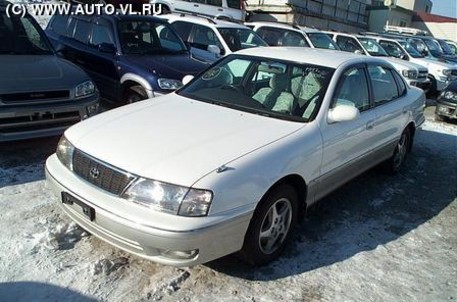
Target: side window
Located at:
point(269, 35)
point(82, 30)
point(59, 24)
point(391, 49)
point(400, 82)
point(183, 29)
point(168, 38)
point(383, 83)
point(353, 90)
point(347, 44)
point(234, 4)
point(101, 34)
point(204, 36)
point(292, 38)
point(214, 2)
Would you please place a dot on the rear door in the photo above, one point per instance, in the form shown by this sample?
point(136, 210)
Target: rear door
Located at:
point(390, 104)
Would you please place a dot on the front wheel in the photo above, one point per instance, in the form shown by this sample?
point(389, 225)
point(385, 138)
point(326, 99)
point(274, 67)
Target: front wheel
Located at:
point(134, 94)
point(271, 226)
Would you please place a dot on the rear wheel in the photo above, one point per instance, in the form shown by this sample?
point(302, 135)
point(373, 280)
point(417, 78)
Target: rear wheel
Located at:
point(134, 94)
point(402, 148)
point(271, 226)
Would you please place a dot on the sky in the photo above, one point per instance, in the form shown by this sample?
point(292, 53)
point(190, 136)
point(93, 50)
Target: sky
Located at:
point(446, 8)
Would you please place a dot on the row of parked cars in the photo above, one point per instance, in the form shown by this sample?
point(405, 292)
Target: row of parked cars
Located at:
point(131, 58)
point(231, 155)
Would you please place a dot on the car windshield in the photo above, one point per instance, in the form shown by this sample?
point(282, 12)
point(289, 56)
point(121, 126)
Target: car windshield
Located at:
point(148, 37)
point(373, 47)
point(241, 38)
point(273, 88)
point(393, 49)
point(445, 47)
point(321, 40)
point(434, 47)
point(410, 49)
point(22, 36)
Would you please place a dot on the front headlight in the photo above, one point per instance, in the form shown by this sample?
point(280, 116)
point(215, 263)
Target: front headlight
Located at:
point(448, 96)
point(84, 89)
point(169, 84)
point(410, 74)
point(447, 72)
point(169, 198)
point(65, 152)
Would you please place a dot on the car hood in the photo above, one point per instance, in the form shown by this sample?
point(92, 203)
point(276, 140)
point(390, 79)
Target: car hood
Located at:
point(434, 63)
point(25, 73)
point(168, 66)
point(402, 64)
point(175, 139)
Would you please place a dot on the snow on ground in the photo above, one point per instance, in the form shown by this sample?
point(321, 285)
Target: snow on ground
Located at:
point(379, 238)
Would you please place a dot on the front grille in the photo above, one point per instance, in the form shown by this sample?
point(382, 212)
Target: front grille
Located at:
point(100, 174)
point(13, 98)
point(422, 74)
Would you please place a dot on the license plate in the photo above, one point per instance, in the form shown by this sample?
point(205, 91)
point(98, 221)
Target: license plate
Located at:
point(86, 210)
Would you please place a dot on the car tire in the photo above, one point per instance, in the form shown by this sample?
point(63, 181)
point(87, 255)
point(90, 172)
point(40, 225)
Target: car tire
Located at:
point(134, 94)
point(432, 92)
point(270, 226)
point(402, 148)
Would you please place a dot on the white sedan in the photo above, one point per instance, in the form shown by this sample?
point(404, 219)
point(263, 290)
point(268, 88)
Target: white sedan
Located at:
point(229, 162)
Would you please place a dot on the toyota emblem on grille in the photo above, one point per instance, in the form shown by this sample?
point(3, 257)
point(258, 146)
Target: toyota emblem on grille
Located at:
point(94, 172)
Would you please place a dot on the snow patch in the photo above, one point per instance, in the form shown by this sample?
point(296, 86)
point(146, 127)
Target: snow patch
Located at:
point(60, 236)
point(107, 266)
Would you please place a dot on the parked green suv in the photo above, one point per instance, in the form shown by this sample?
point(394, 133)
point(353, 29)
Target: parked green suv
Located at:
point(41, 94)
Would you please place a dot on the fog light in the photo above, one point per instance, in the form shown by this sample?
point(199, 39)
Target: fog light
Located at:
point(92, 109)
point(443, 109)
point(180, 254)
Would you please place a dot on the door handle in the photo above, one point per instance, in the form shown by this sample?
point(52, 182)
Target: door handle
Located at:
point(370, 125)
point(220, 9)
point(405, 110)
point(196, 5)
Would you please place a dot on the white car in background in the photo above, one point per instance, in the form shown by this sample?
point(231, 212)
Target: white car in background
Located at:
point(211, 39)
point(283, 34)
point(229, 162)
point(414, 74)
point(220, 9)
point(440, 73)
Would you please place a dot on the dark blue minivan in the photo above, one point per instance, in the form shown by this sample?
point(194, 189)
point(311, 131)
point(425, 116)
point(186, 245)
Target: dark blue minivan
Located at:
point(129, 57)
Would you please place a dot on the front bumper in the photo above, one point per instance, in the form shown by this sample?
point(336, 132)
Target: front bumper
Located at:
point(141, 231)
point(446, 109)
point(425, 85)
point(25, 121)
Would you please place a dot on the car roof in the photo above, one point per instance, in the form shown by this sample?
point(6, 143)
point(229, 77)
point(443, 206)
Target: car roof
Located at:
point(276, 25)
point(316, 56)
point(311, 30)
point(203, 20)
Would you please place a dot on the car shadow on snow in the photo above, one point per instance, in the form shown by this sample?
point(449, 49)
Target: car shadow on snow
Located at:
point(35, 291)
point(372, 210)
point(23, 161)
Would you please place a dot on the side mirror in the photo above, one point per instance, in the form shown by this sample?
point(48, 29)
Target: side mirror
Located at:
point(60, 49)
point(107, 48)
point(186, 79)
point(342, 113)
point(359, 52)
point(404, 57)
point(214, 49)
point(425, 52)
